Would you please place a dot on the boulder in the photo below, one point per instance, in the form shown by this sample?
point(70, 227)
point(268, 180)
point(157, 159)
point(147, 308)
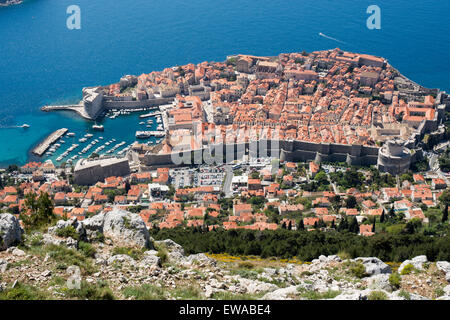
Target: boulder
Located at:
point(150, 259)
point(281, 294)
point(416, 262)
point(200, 258)
point(175, 251)
point(379, 282)
point(3, 265)
point(73, 222)
point(93, 226)
point(443, 266)
point(447, 290)
point(10, 231)
point(121, 259)
point(68, 242)
point(171, 246)
point(374, 265)
point(256, 286)
point(121, 226)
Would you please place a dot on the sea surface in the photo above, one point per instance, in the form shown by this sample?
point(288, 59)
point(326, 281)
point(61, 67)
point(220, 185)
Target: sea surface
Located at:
point(43, 62)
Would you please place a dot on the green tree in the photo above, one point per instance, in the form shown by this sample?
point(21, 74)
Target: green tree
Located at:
point(354, 227)
point(41, 211)
point(445, 214)
point(301, 225)
point(382, 217)
point(350, 202)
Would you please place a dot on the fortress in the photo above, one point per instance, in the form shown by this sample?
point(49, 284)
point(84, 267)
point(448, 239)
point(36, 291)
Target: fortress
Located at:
point(332, 106)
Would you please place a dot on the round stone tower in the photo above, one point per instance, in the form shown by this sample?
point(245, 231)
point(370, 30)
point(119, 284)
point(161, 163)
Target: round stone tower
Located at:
point(394, 157)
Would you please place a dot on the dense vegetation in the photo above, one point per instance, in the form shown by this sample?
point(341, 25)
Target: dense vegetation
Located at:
point(308, 245)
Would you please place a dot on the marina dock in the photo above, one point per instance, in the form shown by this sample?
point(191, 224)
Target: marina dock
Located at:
point(43, 146)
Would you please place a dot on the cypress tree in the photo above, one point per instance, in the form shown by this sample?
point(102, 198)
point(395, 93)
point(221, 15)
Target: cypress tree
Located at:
point(301, 225)
point(445, 214)
point(333, 225)
point(373, 225)
point(283, 226)
point(290, 225)
point(382, 217)
point(354, 227)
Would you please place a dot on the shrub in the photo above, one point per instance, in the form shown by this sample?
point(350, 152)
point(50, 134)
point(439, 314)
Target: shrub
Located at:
point(98, 291)
point(407, 269)
point(67, 232)
point(404, 294)
point(162, 253)
point(378, 295)
point(358, 270)
point(246, 265)
point(438, 292)
point(134, 253)
point(23, 292)
point(87, 249)
point(343, 255)
point(394, 280)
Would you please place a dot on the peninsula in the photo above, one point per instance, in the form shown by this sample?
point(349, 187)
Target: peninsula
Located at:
point(331, 105)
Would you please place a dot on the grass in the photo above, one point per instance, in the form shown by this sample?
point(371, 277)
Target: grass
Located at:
point(378, 295)
point(314, 295)
point(24, 292)
point(187, 293)
point(134, 253)
point(65, 257)
point(87, 291)
point(405, 294)
point(438, 292)
point(223, 295)
point(67, 232)
point(162, 253)
point(395, 280)
point(87, 249)
point(144, 292)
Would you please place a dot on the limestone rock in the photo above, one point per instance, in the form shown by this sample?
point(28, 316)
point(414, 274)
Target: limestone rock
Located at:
point(443, 266)
point(68, 242)
point(10, 231)
point(122, 259)
point(280, 294)
point(379, 282)
point(416, 262)
point(374, 265)
point(255, 286)
point(150, 259)
point(200, 258)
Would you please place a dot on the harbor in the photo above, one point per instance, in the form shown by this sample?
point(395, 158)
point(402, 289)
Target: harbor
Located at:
point(51, 139)
point(113, 135)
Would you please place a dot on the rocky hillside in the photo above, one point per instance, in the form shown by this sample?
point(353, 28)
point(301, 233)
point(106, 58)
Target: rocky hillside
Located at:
point(118, 260)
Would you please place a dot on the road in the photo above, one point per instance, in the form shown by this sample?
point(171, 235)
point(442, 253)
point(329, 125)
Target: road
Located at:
point(227, 184)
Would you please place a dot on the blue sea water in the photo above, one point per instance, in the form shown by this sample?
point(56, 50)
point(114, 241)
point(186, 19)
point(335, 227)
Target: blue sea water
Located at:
point(42, 62)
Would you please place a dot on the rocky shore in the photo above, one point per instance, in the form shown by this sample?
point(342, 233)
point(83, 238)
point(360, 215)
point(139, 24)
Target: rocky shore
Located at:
point(118, 260)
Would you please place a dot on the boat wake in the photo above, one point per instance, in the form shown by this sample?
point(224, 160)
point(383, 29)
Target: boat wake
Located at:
point(330, 38)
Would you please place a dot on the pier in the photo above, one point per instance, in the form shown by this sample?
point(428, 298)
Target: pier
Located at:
point(43, 146)
point(79, 108)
